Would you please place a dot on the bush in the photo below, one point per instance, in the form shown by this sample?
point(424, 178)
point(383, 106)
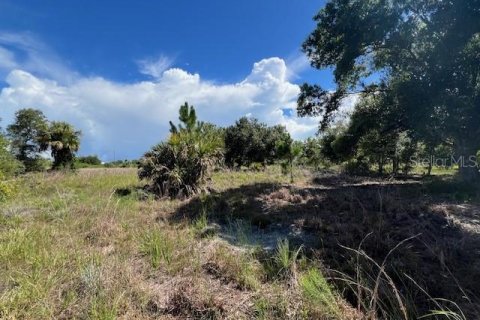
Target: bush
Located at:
point(357, 167)
point(7, 189)
point(178, 167)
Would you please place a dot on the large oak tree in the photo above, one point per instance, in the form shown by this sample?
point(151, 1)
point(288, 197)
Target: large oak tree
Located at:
point(423, 54)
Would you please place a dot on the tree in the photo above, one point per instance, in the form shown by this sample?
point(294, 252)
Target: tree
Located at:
point(63, 141)
point(249, 141)
point(90, 160)
point(187, 117)
point(28, 127)
point(179, 166)
point(290, 151)
point(312, 153)
point(424, 53)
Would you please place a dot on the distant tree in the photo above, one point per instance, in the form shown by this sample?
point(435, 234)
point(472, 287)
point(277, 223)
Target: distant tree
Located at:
point(91, 160)
point(249, 141)
point(425, 55)
point(63, 141)
point(312, 153)
point(290, 151)
point(336, 144)
point(29, 125)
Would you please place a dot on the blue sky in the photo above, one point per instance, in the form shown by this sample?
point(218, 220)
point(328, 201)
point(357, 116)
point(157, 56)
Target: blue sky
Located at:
point(119, 70)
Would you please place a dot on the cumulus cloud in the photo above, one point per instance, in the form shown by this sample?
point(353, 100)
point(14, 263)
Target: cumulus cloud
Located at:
point(127, 119)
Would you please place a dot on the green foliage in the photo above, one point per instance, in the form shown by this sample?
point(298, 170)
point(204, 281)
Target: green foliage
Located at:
point(90, 160)
point(290, 151)
point(249, 141)
point(25, 132)
point(187, 117)
point(284, 259)
point(372, 139)
point(7, 189)
point(312, 153)
point(158, 247)
point(318, 292)
point(122, 164)
point(427, 52)
point(63, 141)
point(9, 166)
point(178, 167)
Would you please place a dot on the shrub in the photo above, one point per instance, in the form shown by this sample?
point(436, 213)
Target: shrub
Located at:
point(9, 166)
point(7, 189)
point(178, 167)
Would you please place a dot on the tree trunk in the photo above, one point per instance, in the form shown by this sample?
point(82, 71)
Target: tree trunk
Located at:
point(430, 164)
point(467, 162)
point(396, 165)
point(380, 166)
point(291, 169)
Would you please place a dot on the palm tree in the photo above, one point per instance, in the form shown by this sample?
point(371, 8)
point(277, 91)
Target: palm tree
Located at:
point(63, 141)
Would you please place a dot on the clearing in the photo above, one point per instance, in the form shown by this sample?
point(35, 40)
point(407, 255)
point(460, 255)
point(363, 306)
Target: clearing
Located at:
point(94, 245)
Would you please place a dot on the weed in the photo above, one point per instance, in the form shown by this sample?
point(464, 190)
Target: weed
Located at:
point(285, 259)
point(318, 292)
point(158, 247)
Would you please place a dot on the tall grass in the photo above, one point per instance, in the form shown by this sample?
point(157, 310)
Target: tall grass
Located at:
point(318, 292)
point(158, 247)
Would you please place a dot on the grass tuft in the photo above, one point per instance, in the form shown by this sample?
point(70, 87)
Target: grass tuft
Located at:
point(158, 247)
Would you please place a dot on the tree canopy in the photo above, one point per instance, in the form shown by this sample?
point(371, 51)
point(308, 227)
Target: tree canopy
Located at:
point(24, 134)
point(249, 141)
point(63, 141)
point(422, 55)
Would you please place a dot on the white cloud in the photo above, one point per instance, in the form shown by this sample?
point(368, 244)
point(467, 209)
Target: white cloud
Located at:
point(155, 67)
point(7, 59)
point(127, 119)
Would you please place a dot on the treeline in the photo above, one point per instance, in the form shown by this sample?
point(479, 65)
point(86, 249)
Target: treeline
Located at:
point(374, 139)
point(178, 166)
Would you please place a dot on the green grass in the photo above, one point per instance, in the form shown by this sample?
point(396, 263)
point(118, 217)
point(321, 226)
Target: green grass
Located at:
point(318, 292)
point(158, 247)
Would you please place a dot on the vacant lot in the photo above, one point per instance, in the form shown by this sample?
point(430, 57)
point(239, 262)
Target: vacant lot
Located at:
point(94, 245)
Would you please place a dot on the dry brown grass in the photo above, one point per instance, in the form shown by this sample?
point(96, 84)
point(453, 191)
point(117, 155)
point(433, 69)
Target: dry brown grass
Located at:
point(73, 246)
point(91, 245)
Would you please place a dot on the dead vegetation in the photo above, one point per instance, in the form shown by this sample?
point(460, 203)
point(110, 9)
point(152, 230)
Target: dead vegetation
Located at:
point(353, 225)
point(267, 250)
